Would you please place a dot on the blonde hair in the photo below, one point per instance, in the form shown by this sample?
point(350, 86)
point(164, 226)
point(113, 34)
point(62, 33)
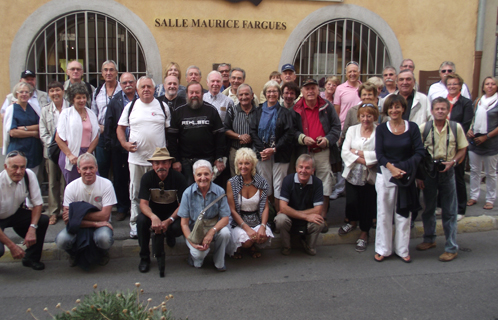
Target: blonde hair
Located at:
point(246, 154)
point(169, 67)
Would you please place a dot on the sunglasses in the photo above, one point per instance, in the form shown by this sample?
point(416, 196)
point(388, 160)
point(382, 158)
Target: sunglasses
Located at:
point(15, 153)
point(352, 62)
point(447, 71)
point(161, 185)
point(367, 105)
point(388, 74)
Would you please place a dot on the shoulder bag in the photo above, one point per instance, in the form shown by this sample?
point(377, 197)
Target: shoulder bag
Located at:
point(202, 226)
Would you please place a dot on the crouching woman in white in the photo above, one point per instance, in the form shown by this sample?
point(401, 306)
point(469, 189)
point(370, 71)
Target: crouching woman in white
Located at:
point(247, 194)
point(195, 198)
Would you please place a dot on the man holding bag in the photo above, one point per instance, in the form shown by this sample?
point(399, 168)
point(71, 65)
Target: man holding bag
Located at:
point(207, 198)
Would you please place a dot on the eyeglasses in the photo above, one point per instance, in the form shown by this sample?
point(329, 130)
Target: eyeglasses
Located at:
point(224, 71)
point(161, 185)
point(407, 66)
point(23, 92)
point(447, 71)
point(352, 62)
point(15, 153)
point(127, 82)
point(75, 69)
point(388, 74)
point(272, 91)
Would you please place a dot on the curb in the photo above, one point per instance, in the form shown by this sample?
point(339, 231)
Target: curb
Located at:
point(130, 248)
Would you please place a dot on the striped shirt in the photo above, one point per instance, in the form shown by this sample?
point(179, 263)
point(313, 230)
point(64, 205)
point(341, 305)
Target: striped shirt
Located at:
point(100, 102)
point(238, 121)
point(259, 182)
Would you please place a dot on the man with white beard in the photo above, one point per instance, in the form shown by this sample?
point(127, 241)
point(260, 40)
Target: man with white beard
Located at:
point(171, 97)
point(196, 132)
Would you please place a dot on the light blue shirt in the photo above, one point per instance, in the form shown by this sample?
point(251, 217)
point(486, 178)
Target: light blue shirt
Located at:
point(193, 203)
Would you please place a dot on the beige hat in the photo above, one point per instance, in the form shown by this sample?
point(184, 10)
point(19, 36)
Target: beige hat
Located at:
point(161, 154)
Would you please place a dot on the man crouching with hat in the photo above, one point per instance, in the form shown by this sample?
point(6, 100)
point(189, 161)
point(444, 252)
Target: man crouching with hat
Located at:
point(160, 192)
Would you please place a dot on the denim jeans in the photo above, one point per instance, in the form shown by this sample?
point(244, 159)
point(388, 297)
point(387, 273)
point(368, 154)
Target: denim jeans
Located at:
point(444, 183)
point(102, 236)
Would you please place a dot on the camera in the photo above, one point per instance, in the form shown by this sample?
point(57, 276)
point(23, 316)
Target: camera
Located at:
point(438, 165)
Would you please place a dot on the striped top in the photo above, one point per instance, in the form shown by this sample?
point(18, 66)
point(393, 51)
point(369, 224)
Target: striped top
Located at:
point(259, 182)
point(238, 121)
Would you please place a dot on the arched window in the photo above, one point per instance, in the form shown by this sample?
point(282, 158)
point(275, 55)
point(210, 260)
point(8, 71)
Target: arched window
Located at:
point(86, 36)
point(330, 46)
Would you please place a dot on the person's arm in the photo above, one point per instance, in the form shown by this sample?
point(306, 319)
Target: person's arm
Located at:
point(337, 108)
point(310, 215)
point(65, 149)
point(468, 115)
point(30, 238)
point(95, 224)
point(93, 144)
point(16, 251)
point(121, 134)
point(32, 132)
point(287, 139)
point(257, 143)
point(172, 137)
point(45, 135)
point(96, 216)
point(147, 211)
point(208, 238)
point(109, 124)
point(235, 215)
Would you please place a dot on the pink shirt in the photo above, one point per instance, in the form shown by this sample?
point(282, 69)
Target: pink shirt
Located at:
point(86, 137)
point(347, 97)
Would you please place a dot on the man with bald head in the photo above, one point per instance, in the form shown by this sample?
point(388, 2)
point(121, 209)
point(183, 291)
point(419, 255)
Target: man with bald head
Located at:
point(171, 97)
point(75, 73)
point(214, 96)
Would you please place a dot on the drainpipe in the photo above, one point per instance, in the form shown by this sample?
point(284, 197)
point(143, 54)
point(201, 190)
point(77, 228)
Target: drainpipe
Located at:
point(481, 15)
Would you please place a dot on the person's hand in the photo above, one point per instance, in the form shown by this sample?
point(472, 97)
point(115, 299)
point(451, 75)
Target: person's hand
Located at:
point(130, 146)
point(261, 235)
point(480, 139)
point(73, 159)
point(199, 247)
point(65, 215)
point(245, 138)
point(470, 133)
point(219, 165)
point(420, 184)
point(101, 224)
point(372, 166)
point(267, 153)
point(309, 141)
point(156, 224)
point(251, 234)
point(361, 161)
point(165, 224)
point(448, 165)
point(315, 218)
point(321, 142)
point(101, 128)
point(16, 251)
point(30, 238)
point(397, 173)
point(177, 166)
point(208, 238)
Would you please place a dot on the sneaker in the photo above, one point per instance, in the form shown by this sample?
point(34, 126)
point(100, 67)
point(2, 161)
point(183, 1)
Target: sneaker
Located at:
point(439, 211)
point(222, 269)
point(460, 217)
point(336, 195)
point(425, 246)
point(307, 248)
point(448, 256)
point(361, 245)
point(285, 251)
point(346, 228)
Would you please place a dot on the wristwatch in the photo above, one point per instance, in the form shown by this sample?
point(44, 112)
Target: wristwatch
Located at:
point(219, 159)
point(356, 152)
point(25, 128)
point(35, 226)
point(455, 163)
point(172, 219)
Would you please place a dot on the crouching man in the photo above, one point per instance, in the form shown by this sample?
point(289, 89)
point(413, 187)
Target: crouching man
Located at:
point(197, 198)
point(160, 191)
point(301, 201)
point(88, 201)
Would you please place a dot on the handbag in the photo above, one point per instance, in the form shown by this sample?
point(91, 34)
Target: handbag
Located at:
point(53, 150)
point(357, 175)
point(202, 226)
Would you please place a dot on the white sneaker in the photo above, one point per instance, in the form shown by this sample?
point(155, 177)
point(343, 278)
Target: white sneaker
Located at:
point(133, 232)
point(439, 211)
point(336, 195)
point(460, 217)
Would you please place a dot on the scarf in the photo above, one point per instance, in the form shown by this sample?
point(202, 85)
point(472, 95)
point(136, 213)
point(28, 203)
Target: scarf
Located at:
point(452, 101)
point(481, 117)
point(267, 123)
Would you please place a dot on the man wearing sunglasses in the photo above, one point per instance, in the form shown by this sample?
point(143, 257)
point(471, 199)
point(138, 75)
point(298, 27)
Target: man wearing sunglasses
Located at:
point(160, 192)
point(438, 89)
point(17, 185)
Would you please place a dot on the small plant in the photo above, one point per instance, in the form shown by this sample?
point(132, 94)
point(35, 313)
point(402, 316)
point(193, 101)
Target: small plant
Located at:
point(105, 305)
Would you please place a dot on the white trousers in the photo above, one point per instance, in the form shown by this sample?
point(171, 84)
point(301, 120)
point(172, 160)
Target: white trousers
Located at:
point(386, 210)
point(273, 173)
point(476, 162)
point(136, 173)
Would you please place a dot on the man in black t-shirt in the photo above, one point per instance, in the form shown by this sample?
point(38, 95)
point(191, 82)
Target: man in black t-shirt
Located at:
point(160, 192)
point(301, 202)
point(171, 97)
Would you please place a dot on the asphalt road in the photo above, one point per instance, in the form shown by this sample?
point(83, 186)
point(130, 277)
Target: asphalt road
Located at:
point(338, 283)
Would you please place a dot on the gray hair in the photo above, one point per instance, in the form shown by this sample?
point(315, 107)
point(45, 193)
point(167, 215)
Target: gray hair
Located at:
point(440, 100)
point(244, 85)
point(20, 85)
point(376, 81)
point(86, 156)
point(272, 83)
point(447, 63)
point(407, 70)
point(193, 67)
point(401, 64)
point(214, 72)
point(143, 78)
point(390, 67)
point(240, 70)
point(77, 88)
point(20, 153)
point(110, 61)
point(202, 163)
point(305, 158)
point(125, 73)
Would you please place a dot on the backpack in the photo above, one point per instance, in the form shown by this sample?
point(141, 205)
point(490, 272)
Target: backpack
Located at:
point(429, 125)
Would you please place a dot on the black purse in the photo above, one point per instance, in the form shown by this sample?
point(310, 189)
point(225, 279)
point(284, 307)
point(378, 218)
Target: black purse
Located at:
point(53, 150)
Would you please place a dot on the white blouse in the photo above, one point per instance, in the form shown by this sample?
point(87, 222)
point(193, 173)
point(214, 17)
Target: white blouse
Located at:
point(356, 141)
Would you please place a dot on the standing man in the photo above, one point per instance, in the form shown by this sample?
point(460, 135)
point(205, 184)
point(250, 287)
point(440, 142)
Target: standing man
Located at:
point(147, 120)
point(301, 202)
point(410, 65)
point(160, 192)
point(101, 98)
point(224, 69)
point(195, 199)
point(439, 89)
point(119, 156)
point(18, 184)
point(288, 75)
point(389, 75)
point(319, 129)
point(440, 140)
point(171, 97)
point(194, 74)
point(75, 73)
point(196, 132)
point(237, 77)
point(220, 101)
point(418, 106)
point(88, 221)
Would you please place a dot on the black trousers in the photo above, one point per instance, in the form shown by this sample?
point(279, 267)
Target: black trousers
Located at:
point(143, 230)
point(20, 222)
point(121, 181)
point(461, 189)
point(361, 204)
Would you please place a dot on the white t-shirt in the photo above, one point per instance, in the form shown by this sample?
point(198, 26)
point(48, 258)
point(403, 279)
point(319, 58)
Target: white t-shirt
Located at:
point(147, 123)
point(100, 193)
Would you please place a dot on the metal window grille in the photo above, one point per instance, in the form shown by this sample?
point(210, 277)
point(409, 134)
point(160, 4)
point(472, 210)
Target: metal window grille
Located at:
point(86, 36)
point(330, 46)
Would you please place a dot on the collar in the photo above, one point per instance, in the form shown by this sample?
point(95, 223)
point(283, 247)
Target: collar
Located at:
point(9, 180)
point(308, 107)
point(196, 188)
point(239, 108)
point(296, 179)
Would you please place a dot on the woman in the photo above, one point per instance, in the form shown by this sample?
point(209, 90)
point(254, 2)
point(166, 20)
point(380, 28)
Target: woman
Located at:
point(460, 111)
point(172, 69)
point(358, 154)
point(247, 198)
point(272, 132)
point(24, 128)
point(77, 131)
point(399, 149)
point(48, 123)
point(330, 85)
point(483, 147)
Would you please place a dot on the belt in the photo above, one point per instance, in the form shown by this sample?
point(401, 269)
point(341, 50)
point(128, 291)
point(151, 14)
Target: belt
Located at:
point(316, 150)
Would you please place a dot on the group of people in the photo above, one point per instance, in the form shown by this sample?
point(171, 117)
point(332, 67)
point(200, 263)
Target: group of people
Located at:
point(239, 168)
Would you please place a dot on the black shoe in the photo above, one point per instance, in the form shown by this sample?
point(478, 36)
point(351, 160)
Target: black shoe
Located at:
point(105, 259)
point(144, 265)
point(120, 216)
point(171, 241)
point(33, 265)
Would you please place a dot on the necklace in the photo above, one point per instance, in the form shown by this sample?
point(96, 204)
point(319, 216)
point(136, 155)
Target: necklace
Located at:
point(89, 192)
point(395, 127)
point(249, 184)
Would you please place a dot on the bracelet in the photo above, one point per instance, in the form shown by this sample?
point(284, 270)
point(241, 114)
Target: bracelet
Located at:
point(215, 230)
point(238, 137)
point(243, 223)
point(455, 162)
point(263, 225)
point(487, 136)
point(172, 219)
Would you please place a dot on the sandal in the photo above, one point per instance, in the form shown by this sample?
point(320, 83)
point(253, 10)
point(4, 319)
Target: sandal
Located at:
point(406, 259)
point(379, 258)
point(254, 252)
point(471, 202)
point(53, 219)
point(488, 206)
point(237, 254)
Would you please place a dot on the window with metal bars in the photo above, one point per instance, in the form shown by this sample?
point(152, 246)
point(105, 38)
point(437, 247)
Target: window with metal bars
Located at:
point(86, 36)
point(329, 47)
